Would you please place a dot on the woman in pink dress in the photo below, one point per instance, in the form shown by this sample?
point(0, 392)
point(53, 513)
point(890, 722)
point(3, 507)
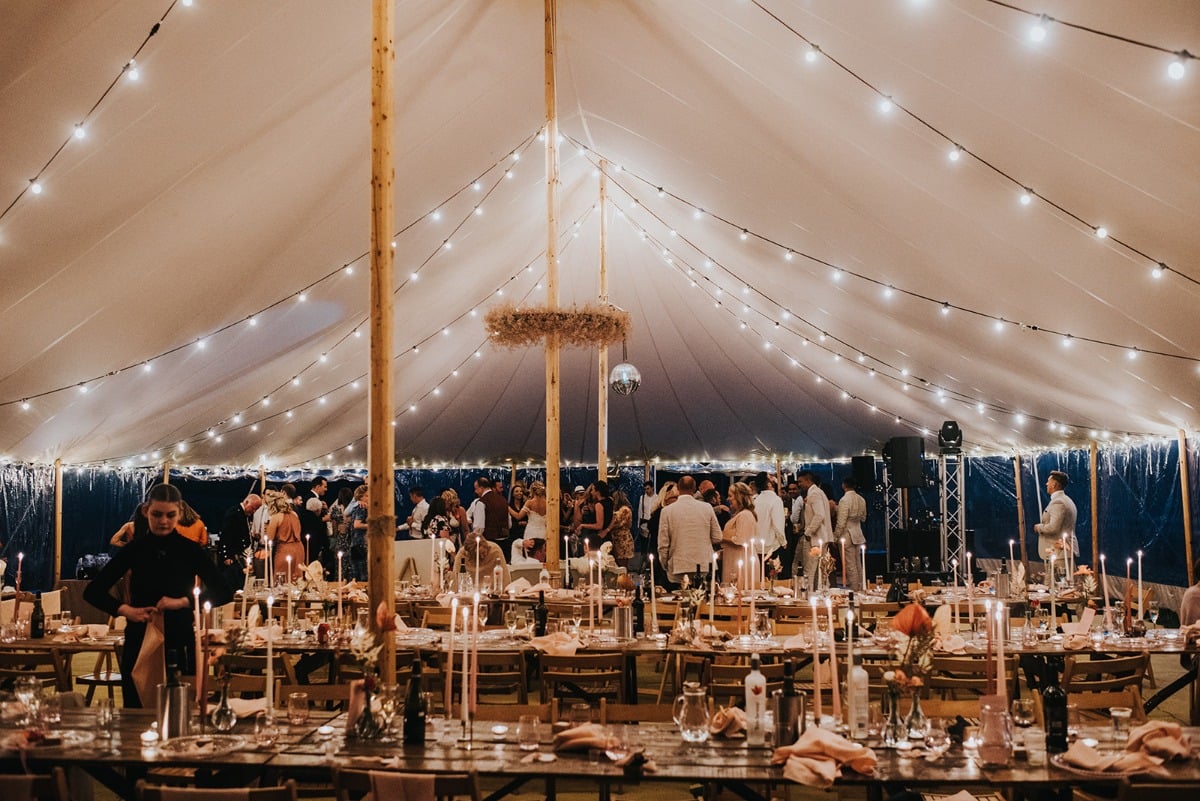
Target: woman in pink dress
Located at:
point(740, 529)
point(283, 529)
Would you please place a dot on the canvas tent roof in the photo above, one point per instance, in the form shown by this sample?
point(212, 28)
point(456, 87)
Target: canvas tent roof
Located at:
point(234, 174)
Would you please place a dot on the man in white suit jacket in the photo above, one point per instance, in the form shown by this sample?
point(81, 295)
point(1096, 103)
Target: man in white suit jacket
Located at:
point(1058, 519)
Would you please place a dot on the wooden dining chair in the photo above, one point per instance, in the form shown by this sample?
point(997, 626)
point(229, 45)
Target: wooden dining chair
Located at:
point(613, 712)
point(509, 713)
point(871, 614)
point(727, 680)
point(438, 617)
point(50, 786)
point(584, 677)
point(248, 673)
point(324, 696)
point(1097, 674)
point(500, 673)
point(943, 708)
point(351, 785)
point(957, 676)
point(104, 674)
point(47, 665)
point(150, 792)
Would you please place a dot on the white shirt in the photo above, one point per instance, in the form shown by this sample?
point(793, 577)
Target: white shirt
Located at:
point(646, 506)
point(475, 513)
point(797, 515)
point(769, 508)
point(258, 524)
point(418, 515)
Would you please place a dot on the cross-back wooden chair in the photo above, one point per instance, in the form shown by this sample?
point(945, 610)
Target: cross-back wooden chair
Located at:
point(351, 785)
point(585, 677)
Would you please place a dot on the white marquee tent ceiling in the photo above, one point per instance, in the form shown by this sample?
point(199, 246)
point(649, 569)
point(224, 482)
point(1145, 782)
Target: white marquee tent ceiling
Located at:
point(234, 174)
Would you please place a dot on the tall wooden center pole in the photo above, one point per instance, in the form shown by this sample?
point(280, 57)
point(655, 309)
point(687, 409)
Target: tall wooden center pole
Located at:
point(1094, 484)
point(602, 386)
point(58, 498)
point(1020, 513)
point(381, 444)
point(1185, 496)
point(553, 345)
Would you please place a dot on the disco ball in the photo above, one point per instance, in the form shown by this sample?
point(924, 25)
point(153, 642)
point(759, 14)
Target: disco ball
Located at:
point(625, 379)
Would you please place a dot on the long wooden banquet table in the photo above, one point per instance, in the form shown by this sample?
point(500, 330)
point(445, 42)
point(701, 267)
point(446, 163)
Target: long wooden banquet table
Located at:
point(310, 752)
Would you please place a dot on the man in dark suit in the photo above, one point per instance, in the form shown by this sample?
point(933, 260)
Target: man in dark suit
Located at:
point(235, 539)
point(495, 513)
point(314, 518)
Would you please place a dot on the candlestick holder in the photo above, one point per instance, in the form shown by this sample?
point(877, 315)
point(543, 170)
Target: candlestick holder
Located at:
point(466, 740)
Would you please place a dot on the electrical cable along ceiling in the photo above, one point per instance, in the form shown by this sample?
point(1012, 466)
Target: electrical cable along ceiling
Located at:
point(832, 222)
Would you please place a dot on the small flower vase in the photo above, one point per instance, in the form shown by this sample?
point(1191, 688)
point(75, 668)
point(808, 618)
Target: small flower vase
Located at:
point(368, 726)
point(916, 722)
point(894, 729)
point(223, 717)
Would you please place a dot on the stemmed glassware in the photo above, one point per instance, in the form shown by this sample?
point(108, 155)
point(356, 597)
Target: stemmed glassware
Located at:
point(937, 739)
point(510, 621)
point(577, 616)
point(1152, 612)
point(28, 690)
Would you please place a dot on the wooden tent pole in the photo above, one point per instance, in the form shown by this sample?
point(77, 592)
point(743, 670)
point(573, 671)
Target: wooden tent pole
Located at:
point(1093, 458)
point(602, 384)
point(58, 498)
point(779, 475)
point(1020, 512)
point(645, 472)
point(1185, 495)
point(553, 345)
point(262, 480)
point(381, 443)
point(166, 473)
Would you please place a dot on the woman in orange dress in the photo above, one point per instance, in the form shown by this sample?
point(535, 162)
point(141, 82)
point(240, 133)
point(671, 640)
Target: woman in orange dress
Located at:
point(283, 529)
point(191, 526)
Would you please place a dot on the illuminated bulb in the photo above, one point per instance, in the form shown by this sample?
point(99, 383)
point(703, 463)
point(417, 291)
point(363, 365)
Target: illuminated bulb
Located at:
point(786, 315)
point(477, 354)
point(181, 447)
point(303, 296)
point(861, 358)
point(412, 407)
point(673, 233)
point(661, 193)
point(1132, 353)
point(1101, 232)
point(220, 439)
point(904, 371)
point(766, 346)
point(1176, 68)
point(745, 290)
point(266, 401)
point(132, 71)
point(187, 3)
point(479, 211)
point(888, 291)
point(357, 334)
point(454, 373)
point(1066, 341)
point(321, 399)
point(885, 105)
point(1020, 418)
point(979, 408)
point(1026, 197)
point(35, 186)
point(474, 312)
point(237, 418)
point(353, 385)
point(697, 214)
point(1159, 270)
point(955, 153)
point(945, 308)
point(837, 274)
point(477, 186)
point(350, 447)
point(296, 381)
point(393, 245)
point(83, 389)
point(416, 349)
point(1037, 33)
point(845, 395)
point(253, 321)
point(447, 244)
point(822, 337)
point(437, 390)
point(80, 131)
point(508, 174)
point(147, 367)
point(324, 357)
point(795, 363)
point(436, 215)
point(289, 414)
point(744, 235)
point(25, 405)
point(742, 326)
point(811, 55)
point(211, 433)
point(745, 309)
point(708, 264)
point(516, 156)
point(413, 276)
point(998, 325)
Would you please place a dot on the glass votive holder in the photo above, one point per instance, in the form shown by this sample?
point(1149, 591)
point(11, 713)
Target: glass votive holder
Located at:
point(1035, 746)
point(1121, 716)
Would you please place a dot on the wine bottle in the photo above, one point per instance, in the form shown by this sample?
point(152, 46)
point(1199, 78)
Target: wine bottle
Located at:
point(756, 701)
point(540, 615)
point(37, 619)
point(1002, 580)
point(415, 708)
point(787, 725)
point(639, 612)
point(1054, 708)
point(857, 696)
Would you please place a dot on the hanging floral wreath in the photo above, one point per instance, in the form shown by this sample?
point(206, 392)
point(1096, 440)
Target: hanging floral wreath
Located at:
point(581, 326)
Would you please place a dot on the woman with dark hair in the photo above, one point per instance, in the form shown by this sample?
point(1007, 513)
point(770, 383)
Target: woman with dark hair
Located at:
point(594, 526)
point(163, 568)
point(437, 524)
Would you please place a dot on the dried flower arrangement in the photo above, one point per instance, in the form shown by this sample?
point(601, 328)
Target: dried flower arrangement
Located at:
point(581, 326)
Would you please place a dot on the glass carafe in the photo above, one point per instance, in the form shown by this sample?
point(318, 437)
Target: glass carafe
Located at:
point(691, 712)
point(995, 733)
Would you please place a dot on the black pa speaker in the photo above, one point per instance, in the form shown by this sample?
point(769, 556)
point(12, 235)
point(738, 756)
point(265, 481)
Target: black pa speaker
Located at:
point(864, 472)
point(905, 456)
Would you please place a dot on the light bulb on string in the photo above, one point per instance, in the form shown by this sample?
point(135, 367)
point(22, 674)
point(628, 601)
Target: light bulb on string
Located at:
point(1159, 270)
point(1037, 31)
point(811, 54)
point(35, 186)
point(955, 153)
point(80, 132)
point(1178, 66)
point(1101, 232)
point(25, 405)
point(886, 105)
point(945, 308)
point(1026, 197)
point(132, 72)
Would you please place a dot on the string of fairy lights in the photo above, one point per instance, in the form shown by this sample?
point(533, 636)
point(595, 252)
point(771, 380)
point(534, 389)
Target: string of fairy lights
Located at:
point(239, 422)
point(144, 365)
point(131, 72)
point(956, 151)
point(889, 289)
point(699, 279)
point(1040, 24)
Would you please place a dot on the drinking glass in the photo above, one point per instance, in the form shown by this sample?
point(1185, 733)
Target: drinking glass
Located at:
point(66, 617)
point(28, 690)
point(1035, 747)
point(937, 739)
point(1022, 712)
point(105, 717)
point(1120, 723)
point(266, 731)
point(579, 714)
point(297, 709)
point(577, 615)
point(510, 621)
point(616, 747)
point(729, 591)
point(50, 711)
point(528, 732)
point(389, 700)
point(522, 621)
point(1152, 611)
point(879, 582)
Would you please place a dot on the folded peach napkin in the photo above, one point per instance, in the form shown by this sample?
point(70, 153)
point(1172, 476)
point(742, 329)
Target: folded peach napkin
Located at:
point(1160, 738)
point(817, 758)
point(150, 669)
point(580, 738)
point(1081, 755)
point(248, 707)
point(728, 722)
point(557, 644)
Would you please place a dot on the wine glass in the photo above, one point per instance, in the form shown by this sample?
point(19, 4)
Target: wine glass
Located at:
point(577, 616)
point(510, 621)
point(729, 591)
point(388, 696)
point(1152, 611)
point(522, 621)
point(1022, 712)
point(28, 689)
point(616, 747)
point(937, 739)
